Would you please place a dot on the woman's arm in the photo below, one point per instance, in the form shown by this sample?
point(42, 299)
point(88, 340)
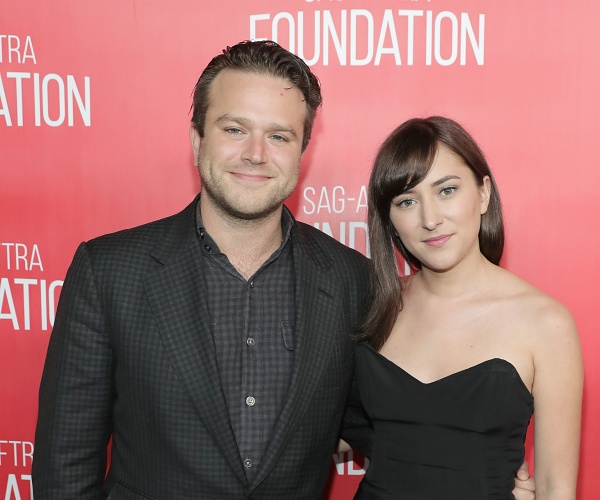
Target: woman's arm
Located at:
point(557, 391)
point(342, 446)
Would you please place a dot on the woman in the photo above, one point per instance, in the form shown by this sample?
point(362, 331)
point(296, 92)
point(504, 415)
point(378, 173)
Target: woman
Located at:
point(456, 352)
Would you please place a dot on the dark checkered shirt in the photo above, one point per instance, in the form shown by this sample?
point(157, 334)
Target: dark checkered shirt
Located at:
point(252, 324)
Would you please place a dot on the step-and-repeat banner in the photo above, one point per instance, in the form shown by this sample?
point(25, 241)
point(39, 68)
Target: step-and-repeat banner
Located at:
point(94, 102)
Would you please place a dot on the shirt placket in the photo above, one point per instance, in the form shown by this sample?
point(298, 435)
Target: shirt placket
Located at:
point(251, 404)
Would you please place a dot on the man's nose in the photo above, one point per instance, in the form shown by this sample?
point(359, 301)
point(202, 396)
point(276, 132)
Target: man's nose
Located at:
point(256, 151)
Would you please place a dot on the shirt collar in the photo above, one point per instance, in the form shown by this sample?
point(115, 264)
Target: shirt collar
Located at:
point(287, 222)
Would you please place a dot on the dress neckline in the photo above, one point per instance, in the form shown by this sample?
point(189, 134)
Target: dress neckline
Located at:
point(450, 376)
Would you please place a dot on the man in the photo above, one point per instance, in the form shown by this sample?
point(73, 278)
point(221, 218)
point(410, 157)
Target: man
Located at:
point(212, 346)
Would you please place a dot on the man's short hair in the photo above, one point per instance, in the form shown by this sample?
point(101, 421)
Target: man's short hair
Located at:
point(263, 57)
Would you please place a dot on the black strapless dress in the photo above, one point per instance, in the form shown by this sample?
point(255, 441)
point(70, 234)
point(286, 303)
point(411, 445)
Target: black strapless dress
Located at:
point(458, 438)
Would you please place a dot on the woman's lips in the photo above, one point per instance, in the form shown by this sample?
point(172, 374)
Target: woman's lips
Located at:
point(437, 241)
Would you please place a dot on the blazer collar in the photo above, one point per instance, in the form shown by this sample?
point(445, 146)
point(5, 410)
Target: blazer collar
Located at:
point(316, 320)
point(176, 290)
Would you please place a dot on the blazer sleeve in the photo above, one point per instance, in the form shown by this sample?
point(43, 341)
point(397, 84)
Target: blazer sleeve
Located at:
point(356, 427)
point(75, 398)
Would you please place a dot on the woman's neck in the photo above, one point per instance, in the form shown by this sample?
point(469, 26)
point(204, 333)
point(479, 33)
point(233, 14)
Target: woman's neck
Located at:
point(467, 278)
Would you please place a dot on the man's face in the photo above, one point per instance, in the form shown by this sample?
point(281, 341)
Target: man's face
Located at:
point(249, 157)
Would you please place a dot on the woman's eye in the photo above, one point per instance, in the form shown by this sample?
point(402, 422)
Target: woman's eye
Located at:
point(448, 190)
point(405, 203)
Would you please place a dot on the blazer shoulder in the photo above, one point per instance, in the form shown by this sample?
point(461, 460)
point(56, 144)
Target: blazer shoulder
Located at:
point(330, 254)
point(328, 244)
point(146, 236)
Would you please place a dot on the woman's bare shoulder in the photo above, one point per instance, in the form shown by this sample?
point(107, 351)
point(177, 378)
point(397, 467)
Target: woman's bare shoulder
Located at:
point(542, 314)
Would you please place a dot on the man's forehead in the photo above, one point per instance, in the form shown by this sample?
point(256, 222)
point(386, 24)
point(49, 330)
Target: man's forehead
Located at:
point(229, 75)
point(250, 83)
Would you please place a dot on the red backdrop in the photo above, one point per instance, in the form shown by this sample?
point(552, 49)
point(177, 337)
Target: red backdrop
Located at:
point(94, 101)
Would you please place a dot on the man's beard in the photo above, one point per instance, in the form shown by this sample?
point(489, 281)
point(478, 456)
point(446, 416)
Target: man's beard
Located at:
point(230, 211)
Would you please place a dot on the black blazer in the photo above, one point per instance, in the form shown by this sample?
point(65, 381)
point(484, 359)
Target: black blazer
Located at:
point(131, 356)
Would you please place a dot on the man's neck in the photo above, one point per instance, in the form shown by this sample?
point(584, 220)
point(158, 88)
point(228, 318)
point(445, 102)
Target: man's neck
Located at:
point(247, 243)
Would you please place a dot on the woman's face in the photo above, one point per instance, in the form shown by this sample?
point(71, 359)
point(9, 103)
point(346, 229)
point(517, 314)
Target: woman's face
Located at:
point(438, 220)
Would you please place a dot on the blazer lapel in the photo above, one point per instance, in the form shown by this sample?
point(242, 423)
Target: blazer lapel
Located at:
point(176, 292)
point(316, 314)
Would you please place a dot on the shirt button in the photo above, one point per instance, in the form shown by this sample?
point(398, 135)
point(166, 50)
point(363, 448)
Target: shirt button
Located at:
point(208, 248)
point(250, 401)
point(247, 463)
point(252, 284)
point(250, 342)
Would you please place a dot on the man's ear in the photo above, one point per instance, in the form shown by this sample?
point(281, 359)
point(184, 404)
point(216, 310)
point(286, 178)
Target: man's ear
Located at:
point(196, 140)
